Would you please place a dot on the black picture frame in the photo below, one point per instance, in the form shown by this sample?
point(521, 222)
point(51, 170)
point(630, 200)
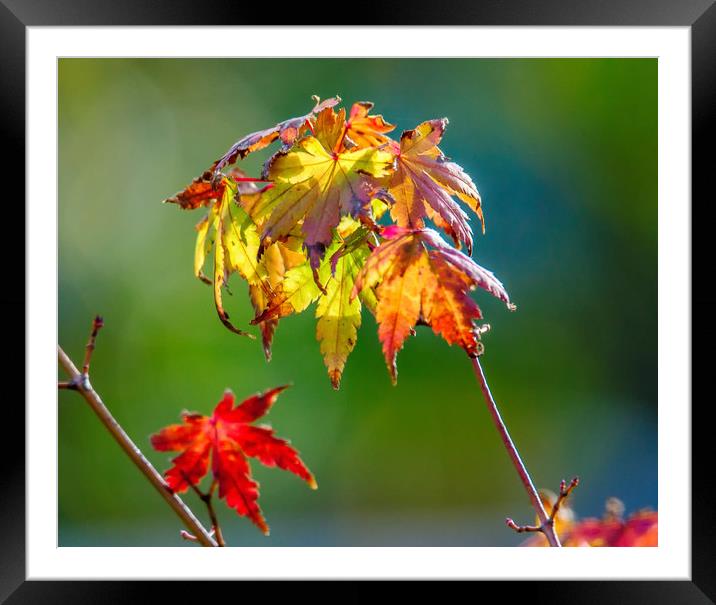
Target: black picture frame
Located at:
point(700, 15)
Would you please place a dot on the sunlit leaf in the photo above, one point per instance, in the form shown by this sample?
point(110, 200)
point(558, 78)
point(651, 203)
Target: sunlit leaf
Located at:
point(276, 261)
point(200, 192)
point(365, 130)
point(419, 279)
point(425, 181)
point(318, 185)
point(339, 315)
point(235, 241)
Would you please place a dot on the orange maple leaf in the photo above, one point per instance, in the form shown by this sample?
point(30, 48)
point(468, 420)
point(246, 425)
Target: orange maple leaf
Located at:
point(205, 189)
point(425, 181)
point(365, 130)
point(417, 285)
point(200, 192)
point(225, 439)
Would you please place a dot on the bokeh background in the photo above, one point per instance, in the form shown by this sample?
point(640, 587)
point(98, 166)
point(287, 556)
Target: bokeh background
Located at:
point(564, 153)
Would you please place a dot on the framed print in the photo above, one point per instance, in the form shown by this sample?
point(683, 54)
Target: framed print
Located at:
point(440, 267)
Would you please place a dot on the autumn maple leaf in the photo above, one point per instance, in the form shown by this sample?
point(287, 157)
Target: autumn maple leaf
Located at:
point(227, 230)
point(425, 181)
point(231, 233)
point(278, 259)
point(365, 130)
point(318, 181)
point(224, 440)
point(233, 236)
point(204, 190)
point(287, 131)
point(338, 314)
point(200, 192)
point(639, 529)
point(419, 278)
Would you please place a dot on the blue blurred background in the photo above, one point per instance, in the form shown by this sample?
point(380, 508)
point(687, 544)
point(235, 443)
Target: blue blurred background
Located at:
point(564, 153)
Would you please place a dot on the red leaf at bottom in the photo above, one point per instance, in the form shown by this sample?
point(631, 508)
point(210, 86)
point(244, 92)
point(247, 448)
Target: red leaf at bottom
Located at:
point(227, 438)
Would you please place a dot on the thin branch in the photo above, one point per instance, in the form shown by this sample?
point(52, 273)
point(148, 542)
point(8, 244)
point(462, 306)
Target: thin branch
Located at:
point(97, 325)
point(522, 528)
point(564, 491)
point(546, 523)
point(80, 382)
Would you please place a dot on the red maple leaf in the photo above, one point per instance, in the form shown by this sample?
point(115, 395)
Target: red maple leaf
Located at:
point(225, 439)
point(640, 529)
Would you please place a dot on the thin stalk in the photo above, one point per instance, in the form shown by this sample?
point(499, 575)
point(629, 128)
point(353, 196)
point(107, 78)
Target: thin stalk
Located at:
point(82, 385)
point(206, 498)
point(546, 522)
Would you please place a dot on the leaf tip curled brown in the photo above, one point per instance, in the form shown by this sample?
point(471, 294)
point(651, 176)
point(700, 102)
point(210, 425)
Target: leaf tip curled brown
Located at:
point(335, 377)
point(224, 317)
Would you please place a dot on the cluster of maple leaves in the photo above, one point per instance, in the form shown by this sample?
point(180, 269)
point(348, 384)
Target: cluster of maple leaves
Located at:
point(309, 230)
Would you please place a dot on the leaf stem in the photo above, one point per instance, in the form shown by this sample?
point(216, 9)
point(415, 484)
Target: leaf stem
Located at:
point(80, 382)
point(206, 498)
point(214, 519)
point(546, 522)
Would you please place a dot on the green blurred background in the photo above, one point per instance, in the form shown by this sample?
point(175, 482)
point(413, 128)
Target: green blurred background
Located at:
point(564, 153)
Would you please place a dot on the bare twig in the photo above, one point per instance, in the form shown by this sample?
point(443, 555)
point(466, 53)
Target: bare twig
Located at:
point(546, 523)
point(185, 535)
point(564, 490)
point(97, 325)
point(79, 381)
point(522, 528)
